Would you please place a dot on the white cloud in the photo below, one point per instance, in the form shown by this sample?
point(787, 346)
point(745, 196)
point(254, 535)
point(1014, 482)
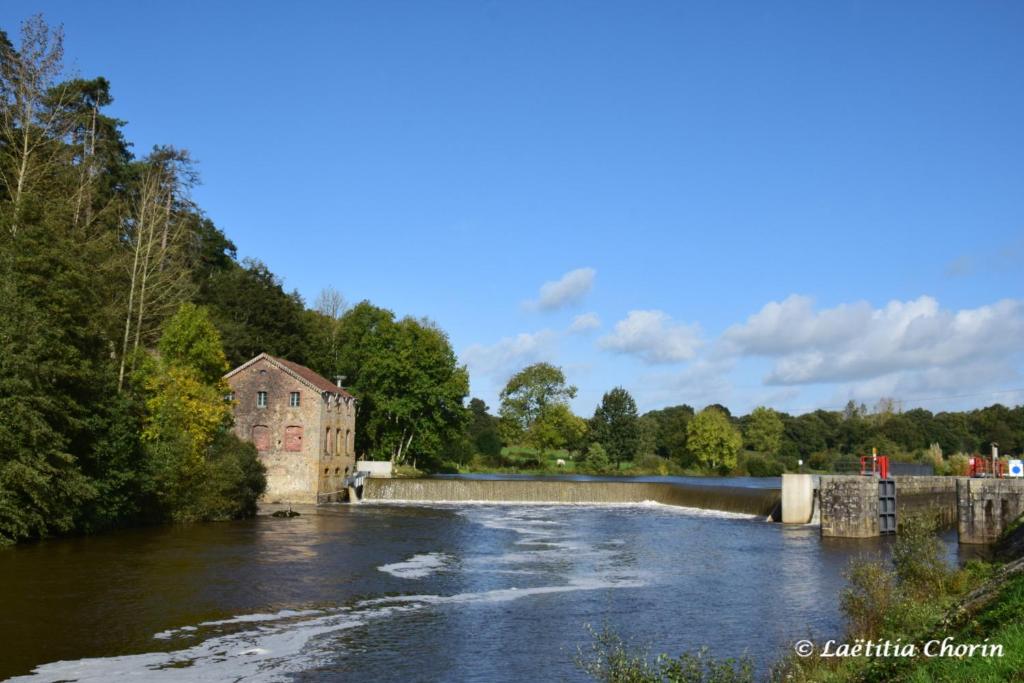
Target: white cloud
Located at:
point(511, 353)
point(856, 342)
point(584, 323)
point(567, 290)
point(653, 337)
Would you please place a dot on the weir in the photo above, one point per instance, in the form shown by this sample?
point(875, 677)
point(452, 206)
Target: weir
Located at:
point(752, 501)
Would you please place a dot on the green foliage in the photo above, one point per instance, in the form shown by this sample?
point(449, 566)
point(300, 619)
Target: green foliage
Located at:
point(555, 427)
point(612, 660)
point(713, 440)
point(616, 425)
point(670, 433)
point(190, 340)
point(870, 597)
point(196, 469)
point(409, 385)
point(527, 394)
point(482, 429)
point(759, 466)
point(534, 409)
point(762, 430)
point(596, 460)
point(253, 313)
point(918, 557)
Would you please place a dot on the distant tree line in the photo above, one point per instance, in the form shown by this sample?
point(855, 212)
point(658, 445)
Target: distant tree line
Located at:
point(534, 419)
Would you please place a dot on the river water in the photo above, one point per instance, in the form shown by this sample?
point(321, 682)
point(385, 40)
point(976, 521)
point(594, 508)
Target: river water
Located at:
point(383, 591)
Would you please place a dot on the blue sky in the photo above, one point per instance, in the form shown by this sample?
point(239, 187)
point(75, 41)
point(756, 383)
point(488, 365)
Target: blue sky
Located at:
point(788, 203)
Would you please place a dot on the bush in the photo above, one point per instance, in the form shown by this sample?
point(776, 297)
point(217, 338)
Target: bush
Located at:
point(760, 466)
point(654, 463)
point(226, 484)
point(596, 460)
point(613, 661)
point(235, 480)
point(917, 556)
point(869, 598)
point(957, 465)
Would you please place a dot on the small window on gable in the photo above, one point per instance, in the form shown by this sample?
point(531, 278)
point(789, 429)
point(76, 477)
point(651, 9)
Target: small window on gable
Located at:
point(261, 399)
point(229, 397)
point(293, 400)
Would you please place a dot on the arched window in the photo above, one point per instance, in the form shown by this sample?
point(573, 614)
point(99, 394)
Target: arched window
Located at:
point(339, 445)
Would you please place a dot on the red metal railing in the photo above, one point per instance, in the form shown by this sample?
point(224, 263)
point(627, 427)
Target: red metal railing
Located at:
point(978, 466)
point(872, 465)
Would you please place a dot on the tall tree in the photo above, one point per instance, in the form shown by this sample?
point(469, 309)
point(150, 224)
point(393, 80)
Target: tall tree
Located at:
point(157, 231)
point(762, 430)
point(616, 426)
point(713, 439)
point(527, 395)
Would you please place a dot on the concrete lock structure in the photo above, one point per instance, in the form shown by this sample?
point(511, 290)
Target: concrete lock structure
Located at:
point(798, 498)
point(986, 507)
point(851, 506)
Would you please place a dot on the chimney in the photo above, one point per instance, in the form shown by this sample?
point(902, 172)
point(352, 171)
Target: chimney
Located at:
point(338, 379)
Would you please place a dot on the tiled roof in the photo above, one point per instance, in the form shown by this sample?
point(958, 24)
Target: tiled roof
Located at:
point(317, 380)
point(300, 372)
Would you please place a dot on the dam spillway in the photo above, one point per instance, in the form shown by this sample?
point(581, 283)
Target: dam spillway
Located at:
point(738, 499)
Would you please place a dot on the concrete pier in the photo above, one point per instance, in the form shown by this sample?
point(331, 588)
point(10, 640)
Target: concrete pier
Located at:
point(798, 498)
point(987, 507)
point(849, 506)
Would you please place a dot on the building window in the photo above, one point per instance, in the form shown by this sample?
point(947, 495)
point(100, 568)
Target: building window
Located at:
point(293, 400)
point(339, 445)
point(261, 399)
point(229, 397)
point(293, 438)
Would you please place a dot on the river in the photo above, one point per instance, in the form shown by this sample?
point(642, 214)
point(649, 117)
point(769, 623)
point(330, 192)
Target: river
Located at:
point(384, 591)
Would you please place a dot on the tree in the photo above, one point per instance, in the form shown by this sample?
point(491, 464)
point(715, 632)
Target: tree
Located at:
point(156, 233)
point(596, 460)
point(671, 433)
point(555, 427)
point(29, 128)
point(197, 468)
point(713, 440)
point(184, 386)
point(763, 430)
point(615, 425)
point(254, 314)
point(482, 429)
point(409, 385)
point(527, 395)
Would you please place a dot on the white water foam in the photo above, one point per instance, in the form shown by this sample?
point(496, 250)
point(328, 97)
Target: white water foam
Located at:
point(417, 566)
point(646, 504)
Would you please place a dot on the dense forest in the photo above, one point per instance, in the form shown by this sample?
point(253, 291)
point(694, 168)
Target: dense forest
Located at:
point(122, 305)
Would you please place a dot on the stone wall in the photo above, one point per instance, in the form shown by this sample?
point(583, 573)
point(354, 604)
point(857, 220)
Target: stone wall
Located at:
point(849, 506)
point(928, 495)
point(987, 507)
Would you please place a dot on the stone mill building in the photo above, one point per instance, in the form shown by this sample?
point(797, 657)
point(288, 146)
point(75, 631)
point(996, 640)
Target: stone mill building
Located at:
point(302, 424)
